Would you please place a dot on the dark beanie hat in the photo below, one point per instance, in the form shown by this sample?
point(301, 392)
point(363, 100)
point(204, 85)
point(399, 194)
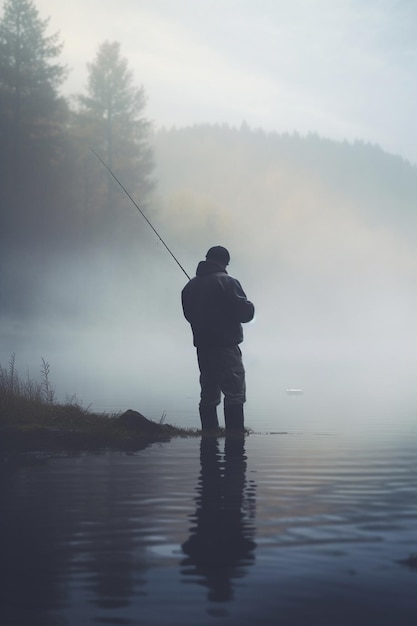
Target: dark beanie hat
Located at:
point(219, 255)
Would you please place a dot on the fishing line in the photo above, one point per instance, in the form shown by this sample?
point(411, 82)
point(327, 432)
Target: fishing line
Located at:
point(139, 209)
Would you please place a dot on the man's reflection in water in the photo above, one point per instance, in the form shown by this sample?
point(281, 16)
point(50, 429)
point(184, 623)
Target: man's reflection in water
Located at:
point(221, 543)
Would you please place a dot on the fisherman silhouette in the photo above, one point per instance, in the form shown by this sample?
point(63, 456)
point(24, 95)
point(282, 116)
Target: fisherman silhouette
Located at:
point(215, 305)
point(221, 543)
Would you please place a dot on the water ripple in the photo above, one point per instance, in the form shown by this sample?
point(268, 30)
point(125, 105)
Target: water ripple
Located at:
point(193, 531)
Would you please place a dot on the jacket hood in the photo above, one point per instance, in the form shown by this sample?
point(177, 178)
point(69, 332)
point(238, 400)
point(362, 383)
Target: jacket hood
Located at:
point(205, 268)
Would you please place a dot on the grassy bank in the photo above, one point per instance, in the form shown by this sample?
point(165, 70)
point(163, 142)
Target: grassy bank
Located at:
point(31, 419)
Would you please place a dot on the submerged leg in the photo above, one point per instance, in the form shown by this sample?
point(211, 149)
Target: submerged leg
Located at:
point(233, 417)
point(208, 417)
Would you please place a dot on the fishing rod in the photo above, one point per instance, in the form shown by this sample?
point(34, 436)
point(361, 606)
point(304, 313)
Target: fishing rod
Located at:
point(139, 209)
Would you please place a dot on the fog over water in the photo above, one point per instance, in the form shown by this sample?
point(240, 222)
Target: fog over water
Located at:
point(340, 327)
point(320, 227)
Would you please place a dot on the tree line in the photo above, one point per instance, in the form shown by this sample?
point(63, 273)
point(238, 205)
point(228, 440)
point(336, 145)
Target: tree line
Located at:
point(52, 192)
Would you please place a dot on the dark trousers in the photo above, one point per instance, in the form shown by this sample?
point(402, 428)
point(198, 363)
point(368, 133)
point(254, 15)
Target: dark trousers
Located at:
point(221, 371)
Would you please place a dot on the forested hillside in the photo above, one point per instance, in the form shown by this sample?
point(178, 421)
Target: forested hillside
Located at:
point(235, 179)
point(325, 230)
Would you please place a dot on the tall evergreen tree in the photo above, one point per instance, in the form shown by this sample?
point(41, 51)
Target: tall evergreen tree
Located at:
point(111, 117)
point(33, 120)
point(31, 111)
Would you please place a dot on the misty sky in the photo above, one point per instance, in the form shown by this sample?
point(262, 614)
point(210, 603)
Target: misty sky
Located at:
point(342, 68)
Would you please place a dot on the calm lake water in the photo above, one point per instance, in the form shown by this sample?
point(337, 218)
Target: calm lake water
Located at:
point(303, 527)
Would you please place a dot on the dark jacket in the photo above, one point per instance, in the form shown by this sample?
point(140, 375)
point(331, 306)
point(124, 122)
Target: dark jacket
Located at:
point(215, 305)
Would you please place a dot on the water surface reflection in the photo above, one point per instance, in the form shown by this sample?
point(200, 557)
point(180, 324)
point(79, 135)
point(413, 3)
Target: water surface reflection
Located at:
point(221, 545)
point(166, 537)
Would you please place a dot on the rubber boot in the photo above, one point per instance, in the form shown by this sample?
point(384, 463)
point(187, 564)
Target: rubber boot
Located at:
point(208, 417)
point(233, 418)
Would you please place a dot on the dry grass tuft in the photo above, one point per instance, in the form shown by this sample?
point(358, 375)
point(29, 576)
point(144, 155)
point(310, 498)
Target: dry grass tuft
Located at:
point(32, 419)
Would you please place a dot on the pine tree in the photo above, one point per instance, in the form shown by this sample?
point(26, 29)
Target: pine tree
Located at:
point(111, 117)
point(33, 144)
point(31, 111)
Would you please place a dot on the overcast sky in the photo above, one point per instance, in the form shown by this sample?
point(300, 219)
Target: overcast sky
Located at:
point(345, 69)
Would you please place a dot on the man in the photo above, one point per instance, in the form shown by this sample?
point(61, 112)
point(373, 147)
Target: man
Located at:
point(215, 305)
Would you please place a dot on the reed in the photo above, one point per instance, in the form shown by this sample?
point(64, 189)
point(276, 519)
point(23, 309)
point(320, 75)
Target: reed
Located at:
point(32, 418)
